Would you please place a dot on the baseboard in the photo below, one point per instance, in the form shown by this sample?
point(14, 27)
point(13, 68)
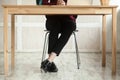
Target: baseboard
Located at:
point(66, 50)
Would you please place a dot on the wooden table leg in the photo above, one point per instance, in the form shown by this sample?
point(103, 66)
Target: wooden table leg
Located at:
point(6, 41)
point(12, 41)
point(114, 25)
point(104, 40)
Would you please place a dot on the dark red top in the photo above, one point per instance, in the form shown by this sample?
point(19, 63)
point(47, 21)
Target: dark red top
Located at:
point(54, 2)
point(51, 2)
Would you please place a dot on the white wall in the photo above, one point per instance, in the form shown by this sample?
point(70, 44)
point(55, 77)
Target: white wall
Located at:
point(30, 30)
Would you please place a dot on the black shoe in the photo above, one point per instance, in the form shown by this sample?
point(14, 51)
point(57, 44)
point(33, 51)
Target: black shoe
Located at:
point(48, 66)
point(45, 65)
point(53, 68)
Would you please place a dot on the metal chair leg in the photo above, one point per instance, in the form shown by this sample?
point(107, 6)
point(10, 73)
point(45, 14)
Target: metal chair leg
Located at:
point(77, 52)
point(45, 45)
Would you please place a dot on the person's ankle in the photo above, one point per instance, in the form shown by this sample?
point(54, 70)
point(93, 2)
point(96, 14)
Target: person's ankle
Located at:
point(50, 60)
point(52, 56)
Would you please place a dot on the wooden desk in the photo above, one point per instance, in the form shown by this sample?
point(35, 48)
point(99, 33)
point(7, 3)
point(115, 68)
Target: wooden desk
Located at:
point(58, 9)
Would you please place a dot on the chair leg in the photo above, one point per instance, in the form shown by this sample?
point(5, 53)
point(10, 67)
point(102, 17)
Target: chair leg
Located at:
point(77, 52)
point(44, 47)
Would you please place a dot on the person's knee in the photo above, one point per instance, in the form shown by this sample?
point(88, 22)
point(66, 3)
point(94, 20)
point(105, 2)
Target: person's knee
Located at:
point(53, 34)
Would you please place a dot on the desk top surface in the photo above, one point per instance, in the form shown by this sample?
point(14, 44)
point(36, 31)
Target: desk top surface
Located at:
point(81, 6)
point(58, 9)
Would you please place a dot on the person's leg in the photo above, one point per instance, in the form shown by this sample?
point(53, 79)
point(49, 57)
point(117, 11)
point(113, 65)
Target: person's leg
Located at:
point(53, 37)
point(54, 28)
point(68, 26)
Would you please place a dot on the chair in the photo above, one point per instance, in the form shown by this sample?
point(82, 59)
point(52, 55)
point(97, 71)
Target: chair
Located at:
point(46, 45)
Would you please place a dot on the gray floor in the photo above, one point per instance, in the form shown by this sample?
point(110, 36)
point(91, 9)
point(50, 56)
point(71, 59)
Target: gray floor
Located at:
point(27, 67)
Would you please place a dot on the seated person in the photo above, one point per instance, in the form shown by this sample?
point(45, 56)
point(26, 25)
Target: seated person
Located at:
point(63, 24)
